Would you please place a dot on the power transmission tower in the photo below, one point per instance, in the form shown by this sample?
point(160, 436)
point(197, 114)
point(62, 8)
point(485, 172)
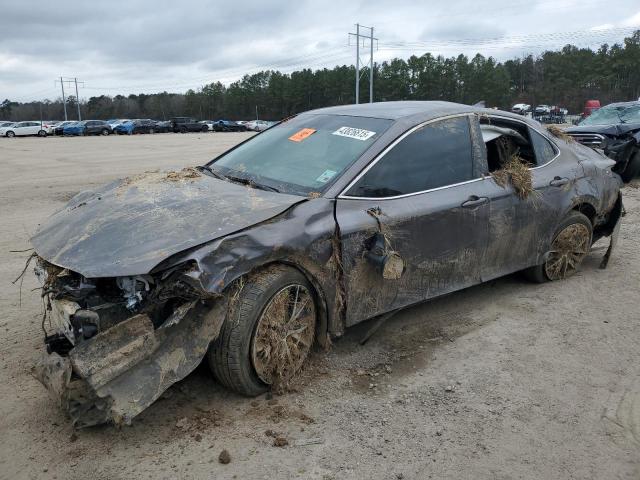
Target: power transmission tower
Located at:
point(64, 101)
point(371, 38)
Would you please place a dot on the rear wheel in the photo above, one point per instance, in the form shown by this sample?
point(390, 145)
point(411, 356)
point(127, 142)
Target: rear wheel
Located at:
point(571, 244)
point(204, 128)
point(104, 132)
point(42, 133)
point(183, 129)
point(10, 134)
point(268, 332)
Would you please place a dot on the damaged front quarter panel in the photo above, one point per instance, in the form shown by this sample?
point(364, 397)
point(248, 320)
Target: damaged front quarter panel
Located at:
point(153, 329)
point(117, 373)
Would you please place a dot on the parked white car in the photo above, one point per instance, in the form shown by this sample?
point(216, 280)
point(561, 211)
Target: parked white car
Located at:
point(23, 129)
point(521, 108)
point(49, 126)
point(257, 125)
point(208, 123)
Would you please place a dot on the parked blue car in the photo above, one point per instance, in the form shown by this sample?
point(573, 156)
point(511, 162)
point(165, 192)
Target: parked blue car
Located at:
point(88, 127)
point(136, 126)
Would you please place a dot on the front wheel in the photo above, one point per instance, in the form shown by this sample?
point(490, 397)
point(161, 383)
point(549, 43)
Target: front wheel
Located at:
point(10, 134)
point(104, 132)
point(571, 244)
point(268, 332)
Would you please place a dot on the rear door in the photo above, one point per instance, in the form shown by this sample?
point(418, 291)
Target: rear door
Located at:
point(424, 194)
point(518, 227)
point(27, 128)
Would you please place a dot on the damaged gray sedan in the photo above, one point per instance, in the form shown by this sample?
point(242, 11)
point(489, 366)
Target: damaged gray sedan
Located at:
point(329, 218)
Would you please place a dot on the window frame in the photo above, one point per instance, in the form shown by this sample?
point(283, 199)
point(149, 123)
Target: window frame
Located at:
point(531, 127)
point(388, 148)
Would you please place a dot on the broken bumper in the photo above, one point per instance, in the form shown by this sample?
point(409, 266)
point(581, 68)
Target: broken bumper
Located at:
point(115, 375)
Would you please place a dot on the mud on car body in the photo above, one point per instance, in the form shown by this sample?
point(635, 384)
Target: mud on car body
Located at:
point(325, 220)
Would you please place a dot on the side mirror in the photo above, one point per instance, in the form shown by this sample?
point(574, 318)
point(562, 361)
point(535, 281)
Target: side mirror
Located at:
point(387, 262)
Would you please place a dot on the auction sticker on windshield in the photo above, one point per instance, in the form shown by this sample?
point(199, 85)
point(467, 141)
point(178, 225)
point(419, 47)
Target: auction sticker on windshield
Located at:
point(326, 176)
point(357, 133)
point(300, 135)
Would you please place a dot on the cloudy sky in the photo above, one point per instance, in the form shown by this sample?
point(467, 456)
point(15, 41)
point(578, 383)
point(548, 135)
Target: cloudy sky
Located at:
point(149, 46)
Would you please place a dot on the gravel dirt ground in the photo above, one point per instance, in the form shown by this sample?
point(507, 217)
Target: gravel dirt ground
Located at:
point(501, 381)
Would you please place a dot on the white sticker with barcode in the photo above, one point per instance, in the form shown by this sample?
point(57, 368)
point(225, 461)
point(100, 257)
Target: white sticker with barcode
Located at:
point(357, 133)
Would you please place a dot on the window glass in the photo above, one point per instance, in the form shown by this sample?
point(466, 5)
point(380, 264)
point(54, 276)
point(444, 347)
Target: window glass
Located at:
point(304, 154)
point(543, 148)
point(433, 156)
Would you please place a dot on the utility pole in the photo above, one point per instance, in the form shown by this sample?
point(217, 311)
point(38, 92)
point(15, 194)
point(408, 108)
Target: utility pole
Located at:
point(371, 38)
point(75, 80)
point(371, 67)
point(357, 63)
point(64, 100)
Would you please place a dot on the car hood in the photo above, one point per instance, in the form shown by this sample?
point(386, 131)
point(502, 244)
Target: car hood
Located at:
point(611, 130)
point(131, 225)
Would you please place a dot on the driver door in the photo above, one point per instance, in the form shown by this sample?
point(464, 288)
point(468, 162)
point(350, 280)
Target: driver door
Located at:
point(425, 196)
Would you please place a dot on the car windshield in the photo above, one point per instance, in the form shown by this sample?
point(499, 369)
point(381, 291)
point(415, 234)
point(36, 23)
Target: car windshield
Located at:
point(613, 114)
point(304, 154)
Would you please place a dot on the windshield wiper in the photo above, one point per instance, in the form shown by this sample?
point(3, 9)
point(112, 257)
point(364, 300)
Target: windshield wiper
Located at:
point(251, 183)
point(243, 181)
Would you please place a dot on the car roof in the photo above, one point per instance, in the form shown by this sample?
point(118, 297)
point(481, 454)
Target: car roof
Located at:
point(416, 110)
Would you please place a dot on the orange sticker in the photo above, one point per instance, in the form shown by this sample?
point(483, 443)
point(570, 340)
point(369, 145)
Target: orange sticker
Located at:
point(302, 134)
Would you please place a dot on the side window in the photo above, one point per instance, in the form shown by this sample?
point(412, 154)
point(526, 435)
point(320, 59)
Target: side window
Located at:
point(435, 155)
point(545, 152)
point(506, 141)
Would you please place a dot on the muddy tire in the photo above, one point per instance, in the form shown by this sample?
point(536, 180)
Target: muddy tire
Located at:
point(633, 168)
point(268, 332)
point(571, 244)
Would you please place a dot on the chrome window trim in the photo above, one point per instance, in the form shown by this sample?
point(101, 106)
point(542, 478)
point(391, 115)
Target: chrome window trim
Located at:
point(343, 195)
point(379, 157)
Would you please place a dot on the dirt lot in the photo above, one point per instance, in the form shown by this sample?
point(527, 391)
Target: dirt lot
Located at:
point(501, 381)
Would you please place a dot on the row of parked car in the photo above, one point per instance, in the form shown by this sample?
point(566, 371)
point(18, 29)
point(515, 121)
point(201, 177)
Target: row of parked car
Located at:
point(125, 126)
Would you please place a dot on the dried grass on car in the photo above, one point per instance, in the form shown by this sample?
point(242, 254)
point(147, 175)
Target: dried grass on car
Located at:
point(515, 172)
point(557, 132)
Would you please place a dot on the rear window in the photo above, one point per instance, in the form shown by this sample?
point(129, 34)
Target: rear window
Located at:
point(304, 154)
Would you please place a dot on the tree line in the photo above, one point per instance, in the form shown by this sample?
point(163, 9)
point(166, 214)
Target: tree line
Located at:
point(565, 77)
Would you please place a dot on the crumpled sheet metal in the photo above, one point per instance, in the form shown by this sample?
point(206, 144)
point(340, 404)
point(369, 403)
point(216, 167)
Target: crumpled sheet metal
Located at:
point(118, 384)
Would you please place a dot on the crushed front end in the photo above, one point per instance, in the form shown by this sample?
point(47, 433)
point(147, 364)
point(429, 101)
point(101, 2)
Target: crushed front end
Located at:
point(114, 345)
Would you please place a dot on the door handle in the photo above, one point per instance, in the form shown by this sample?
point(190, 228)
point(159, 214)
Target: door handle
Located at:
point(475, 201)
point(558, 181)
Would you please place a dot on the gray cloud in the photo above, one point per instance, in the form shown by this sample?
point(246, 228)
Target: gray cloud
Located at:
point(119, 46)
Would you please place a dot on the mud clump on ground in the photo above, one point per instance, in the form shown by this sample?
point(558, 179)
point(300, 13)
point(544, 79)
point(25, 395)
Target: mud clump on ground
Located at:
point(280, 441)
point(224, 457)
